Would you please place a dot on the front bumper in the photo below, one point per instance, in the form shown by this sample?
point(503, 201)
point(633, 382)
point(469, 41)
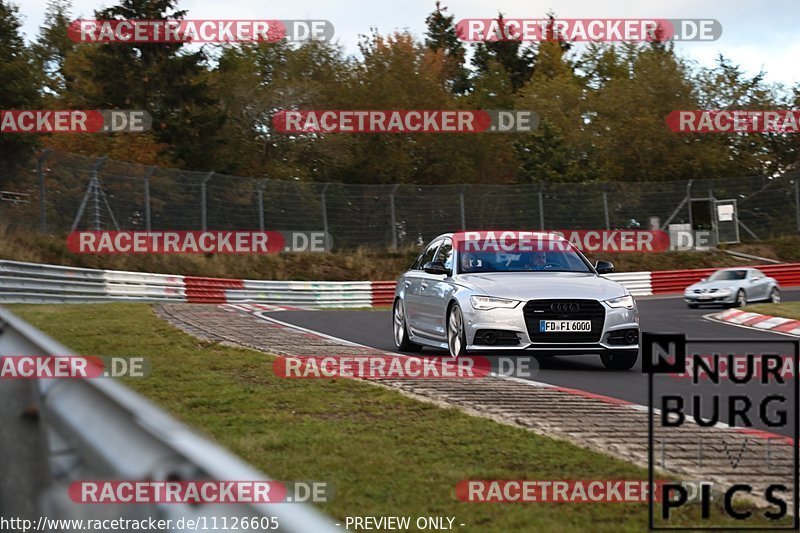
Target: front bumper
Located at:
point(708, 298)
point(513, 320)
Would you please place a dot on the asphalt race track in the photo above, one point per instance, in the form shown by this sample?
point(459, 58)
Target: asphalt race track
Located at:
point(658, 314)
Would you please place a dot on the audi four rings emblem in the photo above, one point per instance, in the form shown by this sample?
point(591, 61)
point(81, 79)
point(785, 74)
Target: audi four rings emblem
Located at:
point(564, 307)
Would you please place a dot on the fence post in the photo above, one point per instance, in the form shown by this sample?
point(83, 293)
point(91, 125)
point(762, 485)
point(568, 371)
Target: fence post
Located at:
point(605, 206)
point(204, 201)
point(42, 190)
point(96, 191)
point(463, 214)
point(796, 200)
point(260, 194)
point(689, 199)
point(541, 207)
point(325, 210)
point(392, 217)
point(147, 221)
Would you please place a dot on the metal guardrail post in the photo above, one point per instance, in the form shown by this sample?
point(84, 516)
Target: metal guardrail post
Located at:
point(605, 207)
point(260, 196)
point(463, 213)
point(96, 192)
point(40, 161)
point(147, 221)
point(541, 207)
point(797, 200)
point(204, 201)
point(325, 209)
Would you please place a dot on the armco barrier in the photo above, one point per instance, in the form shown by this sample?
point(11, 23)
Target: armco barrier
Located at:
point(100, 429)
point(36, 283)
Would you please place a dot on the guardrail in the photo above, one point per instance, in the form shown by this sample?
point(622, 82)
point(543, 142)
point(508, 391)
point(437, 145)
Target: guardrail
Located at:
point(36, 283)
point(22, 282)
point(98, 429)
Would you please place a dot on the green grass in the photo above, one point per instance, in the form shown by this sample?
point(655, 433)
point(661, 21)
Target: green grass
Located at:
point(384, 453)
point(785, 309)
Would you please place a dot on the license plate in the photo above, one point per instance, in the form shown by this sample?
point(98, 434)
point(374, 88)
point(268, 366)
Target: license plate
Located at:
point(553, 326)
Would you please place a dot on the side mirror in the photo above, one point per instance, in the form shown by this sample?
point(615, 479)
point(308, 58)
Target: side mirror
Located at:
point(436, 267)
point(604, 267)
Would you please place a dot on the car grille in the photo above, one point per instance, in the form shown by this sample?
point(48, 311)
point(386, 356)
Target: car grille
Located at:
point(536, 310)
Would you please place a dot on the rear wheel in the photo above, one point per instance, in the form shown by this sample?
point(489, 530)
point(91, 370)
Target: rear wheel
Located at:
point(400, 331)
point(619, 360)
point(456, 338)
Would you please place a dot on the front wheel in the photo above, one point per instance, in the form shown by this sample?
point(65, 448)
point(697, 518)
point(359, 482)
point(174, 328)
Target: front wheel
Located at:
point(775, 295)
point(399, 327)
point(456, 337)
point(619, 360)
point(741, 299)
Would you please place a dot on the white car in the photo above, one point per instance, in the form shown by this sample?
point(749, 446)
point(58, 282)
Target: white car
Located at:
point(532, 302)
point(733, 287)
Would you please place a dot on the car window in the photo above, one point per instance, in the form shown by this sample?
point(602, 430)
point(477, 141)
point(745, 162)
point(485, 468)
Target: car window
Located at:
point(758, 273)
point(445, 254)
point(427, 256)
point(728, 275)
point(527, 261)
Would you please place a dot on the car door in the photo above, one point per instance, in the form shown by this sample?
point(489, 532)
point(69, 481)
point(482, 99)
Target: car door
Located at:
point(760, 284)
point(435, 291)
point(412, 285)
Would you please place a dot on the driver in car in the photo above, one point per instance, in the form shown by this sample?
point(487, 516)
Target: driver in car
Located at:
point(467, 262)
point(537, 260)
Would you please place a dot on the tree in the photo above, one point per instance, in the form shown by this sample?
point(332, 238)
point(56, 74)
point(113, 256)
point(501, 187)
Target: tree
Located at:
point(18, 90)
point(171, 83)
point(516, 59)
point(442, 37)
point(52, 47)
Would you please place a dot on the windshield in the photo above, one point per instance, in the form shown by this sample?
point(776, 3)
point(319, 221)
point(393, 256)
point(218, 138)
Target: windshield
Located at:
point(723, 275)
point(529, 261)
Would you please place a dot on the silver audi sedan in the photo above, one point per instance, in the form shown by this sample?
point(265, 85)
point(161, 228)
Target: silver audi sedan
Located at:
point(530, 302)
point(733, 287)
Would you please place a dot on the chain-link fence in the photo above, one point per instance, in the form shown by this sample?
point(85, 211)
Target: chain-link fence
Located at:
point(61, 192)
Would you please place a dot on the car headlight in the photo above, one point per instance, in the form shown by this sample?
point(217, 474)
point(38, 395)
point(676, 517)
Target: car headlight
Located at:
point(623, 301)
point(484, 303)
point(724, 292)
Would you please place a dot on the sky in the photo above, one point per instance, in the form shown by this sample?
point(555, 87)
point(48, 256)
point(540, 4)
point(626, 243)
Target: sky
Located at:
point(755, 35)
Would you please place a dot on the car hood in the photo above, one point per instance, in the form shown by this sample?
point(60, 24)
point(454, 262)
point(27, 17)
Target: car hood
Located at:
point(531, 285)
point(721, 284)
